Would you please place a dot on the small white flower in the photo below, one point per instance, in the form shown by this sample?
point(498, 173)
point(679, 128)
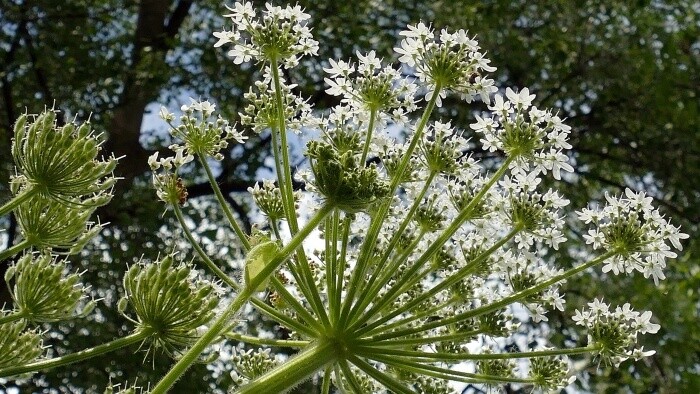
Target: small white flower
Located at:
point(418, 31)
point(644, 324)
point(153, 161)
point(339, 68)
point(165, 114)
point(521, 100)
point(500, 106)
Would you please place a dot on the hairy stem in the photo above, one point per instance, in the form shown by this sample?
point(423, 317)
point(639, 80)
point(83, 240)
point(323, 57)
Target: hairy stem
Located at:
point(266, 341)
point(79, 356)
point(228, 314)
point(23, 196)
point(13, 250)
point(295, 370)
point(224, 205)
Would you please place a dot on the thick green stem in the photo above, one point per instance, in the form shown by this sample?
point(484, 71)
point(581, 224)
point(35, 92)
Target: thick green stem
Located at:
point(23, 196)
point(11, 318)
point(266, 341)
point(224, 204)
point(368, 138)
point(202, 254)
point(331, 238)
point(340, 270)
point(502, 302)
point(75, 357)
point(285, 183)
point(326, 385)
point(285, 178)
point(13, 250)
point(295, 370)
point(371, 352)
point(378, 219)
point(220, 324)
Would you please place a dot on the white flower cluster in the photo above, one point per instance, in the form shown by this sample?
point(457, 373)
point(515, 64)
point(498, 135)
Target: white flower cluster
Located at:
point(269, 199)
point(614, 333)
point(280, 35)
point(453, 62)
point(170, 162)
point(262, 111)
point(538, 214)
point(523, 270)
point(537, 138)
point(372, 87)
point(635, 231)
point(201, 134)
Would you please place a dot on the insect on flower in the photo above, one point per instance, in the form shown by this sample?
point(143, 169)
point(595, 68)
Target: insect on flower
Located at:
point(181, 192)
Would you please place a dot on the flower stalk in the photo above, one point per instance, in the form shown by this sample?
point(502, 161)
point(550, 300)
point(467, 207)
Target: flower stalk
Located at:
point(82, 355)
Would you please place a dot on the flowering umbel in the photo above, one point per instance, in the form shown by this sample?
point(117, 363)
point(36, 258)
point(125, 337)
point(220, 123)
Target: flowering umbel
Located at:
point(399, 256)
point(279, 34)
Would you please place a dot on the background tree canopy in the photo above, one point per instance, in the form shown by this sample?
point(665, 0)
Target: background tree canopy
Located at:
point(625, 74)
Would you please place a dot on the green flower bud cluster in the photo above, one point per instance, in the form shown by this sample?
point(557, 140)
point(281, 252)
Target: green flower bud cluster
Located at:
point(340, 180)
point(42, 292)
point(495, 367)
point(442, 150)
point(429, 216)
point(269, 199)
point(125, 390)
point(392, 158)
point(47, 223)
point(201, 134)
point(262, 112)
point(250, 364)
point(61, 162)
point(18, 347)
point(168, 303)
point(462, 194)
point(550, 372)
point(431, 385)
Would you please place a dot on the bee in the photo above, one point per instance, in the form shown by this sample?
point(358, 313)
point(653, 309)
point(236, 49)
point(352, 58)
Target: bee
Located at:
point(472, 77)
point(181, 192)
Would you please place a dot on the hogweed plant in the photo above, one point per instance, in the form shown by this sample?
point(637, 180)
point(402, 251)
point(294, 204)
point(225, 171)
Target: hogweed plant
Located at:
point(424, 257)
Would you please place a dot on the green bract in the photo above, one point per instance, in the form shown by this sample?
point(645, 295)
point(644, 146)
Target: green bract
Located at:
point(258, 257)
